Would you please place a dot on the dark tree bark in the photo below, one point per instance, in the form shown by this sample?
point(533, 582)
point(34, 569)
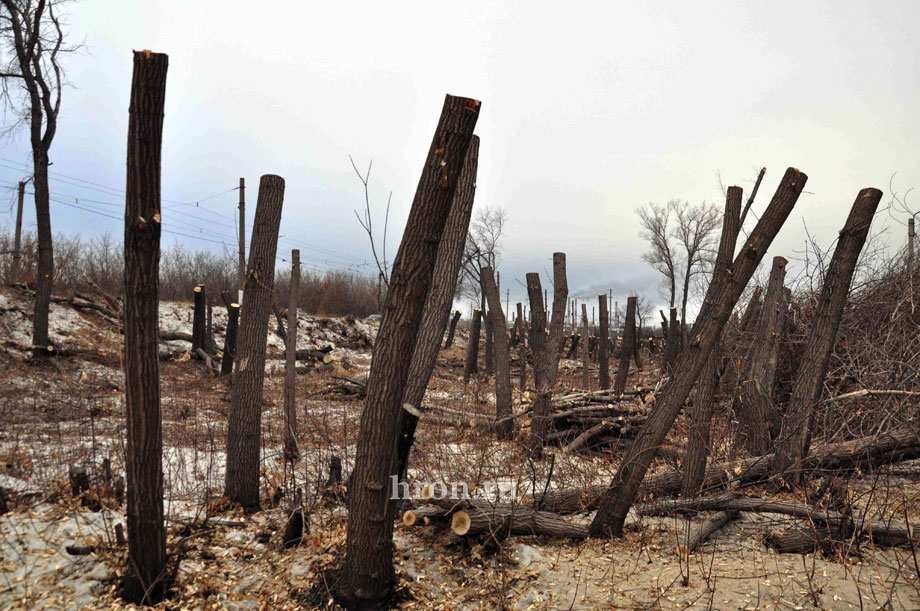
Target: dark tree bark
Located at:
point(368, 576)
point(672, 345)
point(603, 364)
point(545, 349)
point(585, 350)
point(796, 426)
point(754, 396)
point(144, 581)
point(743, 335)
point(199, 322)
point(438, 303)
point(290, 449)
point(472, 346)
point(698, 444)
point(233, 314)
point(502, 355)
point(244, 424)
point(717, 308)
point(488, 357)
point(627, 346)
point(452, 329)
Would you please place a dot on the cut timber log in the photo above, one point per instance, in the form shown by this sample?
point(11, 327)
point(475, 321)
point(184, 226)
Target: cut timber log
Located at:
point(863, 453)
point(502, 519)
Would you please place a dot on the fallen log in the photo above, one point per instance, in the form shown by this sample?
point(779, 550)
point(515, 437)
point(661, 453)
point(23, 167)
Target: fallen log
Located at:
point(480, 517)
point(862, 454)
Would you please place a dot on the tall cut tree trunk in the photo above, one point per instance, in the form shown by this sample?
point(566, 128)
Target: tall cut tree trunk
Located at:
point(290, 449)
point(743, 337)
point(472, 346)
point(233, 315)
point(368, 577)
point(144, 581)
point(438, 303)
point(627, 346)
point(452, 329)
point(672, 347)
point(698, 445)
point(585, 349)
point(717, 308)
point(546, 349)
point(199, 319)
point(603, 338)
point(244, 423)
point(796, 427)
point(502, 354)
point(754, 396)
point(488, 357)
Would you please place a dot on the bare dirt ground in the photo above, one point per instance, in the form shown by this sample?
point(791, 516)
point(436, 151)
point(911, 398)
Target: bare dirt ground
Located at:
point(68, 412)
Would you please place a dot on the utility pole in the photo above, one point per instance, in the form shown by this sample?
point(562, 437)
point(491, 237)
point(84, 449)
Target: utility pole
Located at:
point(242, 271)
point(507, 300)
point(17, 245)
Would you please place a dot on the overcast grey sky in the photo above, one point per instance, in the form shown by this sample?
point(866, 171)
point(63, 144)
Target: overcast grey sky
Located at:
point(589, 110)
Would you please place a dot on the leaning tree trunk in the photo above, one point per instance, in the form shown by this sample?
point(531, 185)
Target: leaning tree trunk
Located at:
point(502, 355)
point(368, 577)
point(143, 455)
point(796, 427)
point(627, 346)
point(244, 423)
point(717, 308)
point(452, 329)
point(438, 303)
point(41, 341)
point(233, 315)
point(603, 365)
point(472, 346)
point(290, 451)
point(698, 444)
point(753, 398)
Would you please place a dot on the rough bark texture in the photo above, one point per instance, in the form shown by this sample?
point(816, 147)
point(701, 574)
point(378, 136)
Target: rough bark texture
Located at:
point(488, 322)
point(244, 424)
point(233, 315)
point(289, 438)
point(754, 395)
point(603, 365)
point(472, 346)
point(704, 392)
point(585, 349)
point(546, 349)
point(865, 453)
point(502, 355)
point(199, 315)
point(144, 451)
point(368, 577)
point(452, 329)
point(438, 304)
point(627, 346)
point(717, 308)
point(793, 441)
point(672, 343)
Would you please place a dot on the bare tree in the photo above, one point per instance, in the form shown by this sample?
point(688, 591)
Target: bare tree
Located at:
point(695, 233)
point(656, 229)
point(367, 224)
point(32, 37)
point(482, 249)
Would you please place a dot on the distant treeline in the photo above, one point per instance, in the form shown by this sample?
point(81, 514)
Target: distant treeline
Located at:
point(79, 264)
